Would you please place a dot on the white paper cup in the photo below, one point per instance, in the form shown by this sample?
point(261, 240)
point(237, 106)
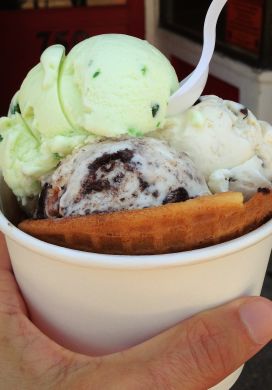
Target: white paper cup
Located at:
point(98, 304)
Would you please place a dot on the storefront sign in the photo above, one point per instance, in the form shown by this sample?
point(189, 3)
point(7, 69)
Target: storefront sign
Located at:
point(244, 24)
point(30, 4)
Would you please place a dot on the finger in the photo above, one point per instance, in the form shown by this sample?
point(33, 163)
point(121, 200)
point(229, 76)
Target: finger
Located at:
point(10, 297)
point(11, 301)
point(25, 353)
point(203, 350)
point(4, 256)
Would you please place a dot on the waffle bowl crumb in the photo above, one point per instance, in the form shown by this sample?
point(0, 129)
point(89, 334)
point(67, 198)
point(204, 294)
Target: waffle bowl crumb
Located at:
point(176, 227)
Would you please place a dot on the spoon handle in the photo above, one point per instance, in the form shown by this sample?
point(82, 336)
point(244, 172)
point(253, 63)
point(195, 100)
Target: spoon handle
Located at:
point(192, 87)
point(210, 31)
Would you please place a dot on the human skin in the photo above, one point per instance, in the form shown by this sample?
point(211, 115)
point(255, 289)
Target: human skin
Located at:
point(194, 355)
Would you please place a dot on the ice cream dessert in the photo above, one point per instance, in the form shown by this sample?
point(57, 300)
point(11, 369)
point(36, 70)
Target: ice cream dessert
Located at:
point(88, 139)
point(227, 143)
point(107, 86)
point(115, 175)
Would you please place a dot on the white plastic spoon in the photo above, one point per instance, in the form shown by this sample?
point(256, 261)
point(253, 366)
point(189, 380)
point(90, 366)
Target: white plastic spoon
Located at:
point(192, 86)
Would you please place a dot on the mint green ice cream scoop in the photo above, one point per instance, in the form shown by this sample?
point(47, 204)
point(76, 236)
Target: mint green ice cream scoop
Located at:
point(107, 86)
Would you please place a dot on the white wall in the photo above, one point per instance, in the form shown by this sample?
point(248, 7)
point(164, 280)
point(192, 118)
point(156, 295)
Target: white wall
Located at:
point(255, 85)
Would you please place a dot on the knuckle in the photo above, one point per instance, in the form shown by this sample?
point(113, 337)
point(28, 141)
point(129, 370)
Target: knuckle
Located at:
point(175, 369)
point(200, 355)
point(209, 348)
point(159, 375)
point(10, 303)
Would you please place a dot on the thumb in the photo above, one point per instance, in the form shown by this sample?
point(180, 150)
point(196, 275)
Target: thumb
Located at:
point(201, 351)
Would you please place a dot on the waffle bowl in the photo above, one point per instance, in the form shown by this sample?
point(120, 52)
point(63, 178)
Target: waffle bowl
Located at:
point(176, 227)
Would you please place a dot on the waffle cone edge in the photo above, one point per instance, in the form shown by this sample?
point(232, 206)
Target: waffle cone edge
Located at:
point(176, 227)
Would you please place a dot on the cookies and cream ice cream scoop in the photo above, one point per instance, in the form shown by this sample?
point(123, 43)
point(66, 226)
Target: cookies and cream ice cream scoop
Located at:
point(128, 174)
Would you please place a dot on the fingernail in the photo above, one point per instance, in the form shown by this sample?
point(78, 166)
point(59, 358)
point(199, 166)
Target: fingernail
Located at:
point(257, 317)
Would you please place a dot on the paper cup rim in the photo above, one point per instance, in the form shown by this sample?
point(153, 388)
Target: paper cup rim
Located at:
point(91, 259)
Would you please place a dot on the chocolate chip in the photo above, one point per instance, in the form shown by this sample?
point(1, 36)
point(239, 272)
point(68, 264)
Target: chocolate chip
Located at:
point(106, 163)
point(244, 111)
point(155, 194)
point(178, 195)
point(144, 70)
point(118, 178)
point(264, 191)
point(90, 185)
point(124, 156)
point(97, 73)
point(143, 184)
point(40, 210)
point(155, 108)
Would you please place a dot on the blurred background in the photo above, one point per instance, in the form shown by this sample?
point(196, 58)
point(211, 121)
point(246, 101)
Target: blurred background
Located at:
point(27, 27)
point(241, 68)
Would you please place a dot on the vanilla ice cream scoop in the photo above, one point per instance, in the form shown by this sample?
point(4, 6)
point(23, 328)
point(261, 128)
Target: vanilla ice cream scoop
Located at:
point(120, 175)
point(231, 148)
